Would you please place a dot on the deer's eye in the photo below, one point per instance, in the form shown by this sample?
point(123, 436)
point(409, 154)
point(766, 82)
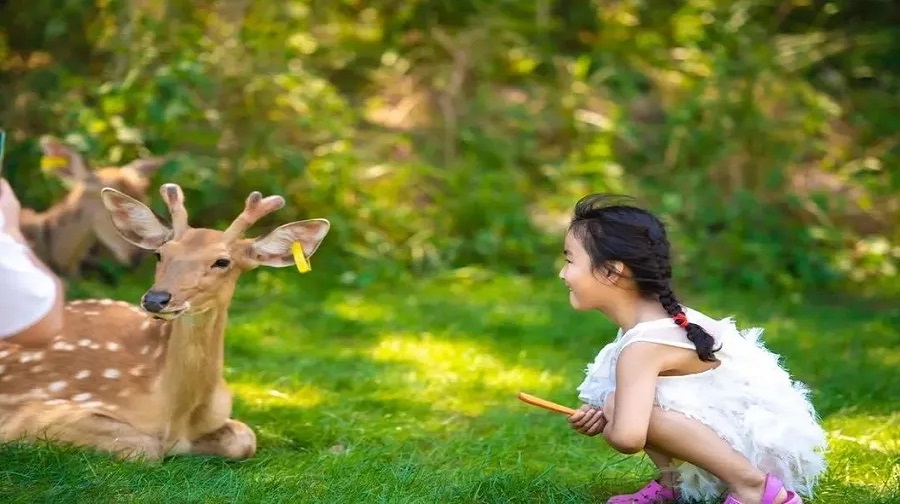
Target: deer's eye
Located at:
point(221, 263)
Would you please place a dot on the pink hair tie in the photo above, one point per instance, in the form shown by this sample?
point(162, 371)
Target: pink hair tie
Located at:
point(681, 320)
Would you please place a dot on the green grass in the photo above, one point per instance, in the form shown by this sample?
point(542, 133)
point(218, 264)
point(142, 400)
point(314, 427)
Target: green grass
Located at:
point(404, 391)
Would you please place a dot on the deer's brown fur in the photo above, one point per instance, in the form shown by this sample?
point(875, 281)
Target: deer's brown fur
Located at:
point(148, 382)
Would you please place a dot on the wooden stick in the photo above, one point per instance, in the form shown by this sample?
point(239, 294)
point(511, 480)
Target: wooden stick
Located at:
point(543, 403)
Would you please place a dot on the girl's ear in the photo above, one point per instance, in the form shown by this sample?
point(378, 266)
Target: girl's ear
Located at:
point(616, 270)
point(613, 271)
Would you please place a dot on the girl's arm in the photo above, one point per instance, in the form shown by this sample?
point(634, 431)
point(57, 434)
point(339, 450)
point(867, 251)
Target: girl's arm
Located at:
point(628, 409)
point(33, 311)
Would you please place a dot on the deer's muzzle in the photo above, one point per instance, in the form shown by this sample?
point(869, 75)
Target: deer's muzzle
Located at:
point(155, 301)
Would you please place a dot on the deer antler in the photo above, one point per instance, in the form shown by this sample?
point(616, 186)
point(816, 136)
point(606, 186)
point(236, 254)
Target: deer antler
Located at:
point(255, 207)
point(174, 198)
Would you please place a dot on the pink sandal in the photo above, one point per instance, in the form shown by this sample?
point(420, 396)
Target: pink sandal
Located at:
point(652, 493)
point(773, 486)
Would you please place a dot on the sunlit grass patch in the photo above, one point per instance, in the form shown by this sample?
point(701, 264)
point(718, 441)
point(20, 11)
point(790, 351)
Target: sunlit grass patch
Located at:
point(865, 447)
point(461, 376)
point(263, 396)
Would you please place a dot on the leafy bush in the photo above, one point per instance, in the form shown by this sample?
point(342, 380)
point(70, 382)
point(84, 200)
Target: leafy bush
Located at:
point(440, 134)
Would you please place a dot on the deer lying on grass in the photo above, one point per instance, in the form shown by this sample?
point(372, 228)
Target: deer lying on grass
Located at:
point(63, 235)
point(148, 386)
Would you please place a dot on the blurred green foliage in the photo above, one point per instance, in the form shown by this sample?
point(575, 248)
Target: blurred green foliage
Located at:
point(439, 134)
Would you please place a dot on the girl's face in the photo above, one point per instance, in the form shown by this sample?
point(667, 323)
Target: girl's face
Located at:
point(588, 289)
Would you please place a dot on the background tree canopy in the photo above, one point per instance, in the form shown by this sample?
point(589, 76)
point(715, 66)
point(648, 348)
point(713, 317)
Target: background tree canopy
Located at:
point(441, 134)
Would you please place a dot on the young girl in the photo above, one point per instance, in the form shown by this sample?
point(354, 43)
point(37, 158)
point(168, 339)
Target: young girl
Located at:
point(710, 405)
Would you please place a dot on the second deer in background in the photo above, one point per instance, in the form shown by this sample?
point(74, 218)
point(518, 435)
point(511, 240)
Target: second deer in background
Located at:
point(64, 234)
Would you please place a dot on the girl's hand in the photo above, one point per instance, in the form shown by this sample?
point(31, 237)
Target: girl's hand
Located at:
point(588, 420)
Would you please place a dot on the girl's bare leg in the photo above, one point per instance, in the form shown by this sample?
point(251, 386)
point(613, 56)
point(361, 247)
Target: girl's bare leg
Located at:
point(676, 436)
point(663, 462)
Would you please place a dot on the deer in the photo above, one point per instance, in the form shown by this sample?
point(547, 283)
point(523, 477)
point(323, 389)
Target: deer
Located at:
point(65, 235)
point(146, 382)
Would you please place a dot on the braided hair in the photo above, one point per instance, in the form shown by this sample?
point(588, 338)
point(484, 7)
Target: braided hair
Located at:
point(611, 229)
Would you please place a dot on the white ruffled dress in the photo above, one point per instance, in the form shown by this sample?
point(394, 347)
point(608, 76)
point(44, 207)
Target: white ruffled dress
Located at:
point(749, 400)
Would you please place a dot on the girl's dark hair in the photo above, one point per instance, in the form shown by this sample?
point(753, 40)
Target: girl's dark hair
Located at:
point(611, 229)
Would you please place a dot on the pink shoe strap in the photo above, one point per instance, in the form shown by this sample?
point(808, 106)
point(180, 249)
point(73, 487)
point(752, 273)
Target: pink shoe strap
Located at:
point(652, 493)
point(773, 486)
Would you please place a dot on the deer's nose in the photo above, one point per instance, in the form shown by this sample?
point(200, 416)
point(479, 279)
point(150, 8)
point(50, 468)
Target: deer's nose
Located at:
point(154, 301)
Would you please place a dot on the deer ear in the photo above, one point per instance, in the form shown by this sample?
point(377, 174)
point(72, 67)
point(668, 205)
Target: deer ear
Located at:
point(274, 249)
point(136, 222)
point(146, 166)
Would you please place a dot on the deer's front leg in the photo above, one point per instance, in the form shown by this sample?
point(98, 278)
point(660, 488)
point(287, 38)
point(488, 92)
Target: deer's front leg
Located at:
point(217, 433)
point(233, 440)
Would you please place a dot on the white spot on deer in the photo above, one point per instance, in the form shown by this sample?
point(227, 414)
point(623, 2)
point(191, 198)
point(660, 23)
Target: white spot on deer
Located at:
point(39, 368)
point(30, 356)
point(63, 346)
point(124, 393)
point(145, 349)
point(70, 308)
point(112, 373)
point(95, 346)
point(6, 378)
point(58, 337)
point(2, 368)
point(158, 352)
point(112, 346)
point(77, 302)
point(55, 402)
point(91, 312)
point(3, 353)
point(146, 325)
point(84, 396)
point(136, 371)
point(123, 304)
point(81, 375)
point(92, 404)
point(137, 310)
point(106, 302)
point(84, 342)
point(57, 386)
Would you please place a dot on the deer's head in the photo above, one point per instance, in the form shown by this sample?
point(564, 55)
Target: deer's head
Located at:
point(85, 183)
point(197, 267)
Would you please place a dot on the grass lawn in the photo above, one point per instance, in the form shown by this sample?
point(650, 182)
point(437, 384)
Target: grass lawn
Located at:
point(405, 392)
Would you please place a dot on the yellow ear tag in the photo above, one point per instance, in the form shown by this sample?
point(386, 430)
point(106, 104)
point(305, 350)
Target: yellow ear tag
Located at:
point(300, 257)
point(52, 163)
